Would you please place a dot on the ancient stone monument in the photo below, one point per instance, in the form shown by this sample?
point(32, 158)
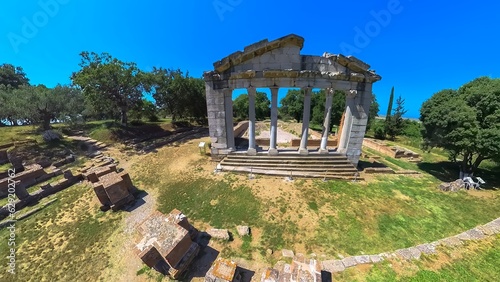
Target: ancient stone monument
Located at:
point(113, 189)
point(166, 243)
point(278, 64)
point(223, 270)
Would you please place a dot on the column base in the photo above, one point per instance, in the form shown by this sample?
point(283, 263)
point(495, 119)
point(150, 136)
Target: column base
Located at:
point(303, 151)
point(251, 152)
point(273, 152)
point(324, 151)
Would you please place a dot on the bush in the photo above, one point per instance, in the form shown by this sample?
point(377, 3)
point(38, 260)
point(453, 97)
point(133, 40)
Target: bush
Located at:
point(412, 129)
point(379, 130)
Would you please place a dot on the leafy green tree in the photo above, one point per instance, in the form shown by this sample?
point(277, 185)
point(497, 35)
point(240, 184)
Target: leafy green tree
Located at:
point(110, 83)
point(465, 122)
point(395, 124)
point(12, 76)
point(373, 113)
point(145, 109)
point(262, 106)
point(179, 95)
point(293, 104)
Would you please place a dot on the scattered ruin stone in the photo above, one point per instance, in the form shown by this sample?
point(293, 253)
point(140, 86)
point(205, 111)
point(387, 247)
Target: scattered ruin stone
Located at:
point(221, 234)
point(297, 271)
point(376, 258)
point(166, 240)
point(115, 190)
point(333, 266)
point(243, 230)
point(362, 259)
point(454, 186)
point(269, 251)
point(287, 253)
point(349, 262)
point(51, 135)
point(223, 270)
point(299, 257)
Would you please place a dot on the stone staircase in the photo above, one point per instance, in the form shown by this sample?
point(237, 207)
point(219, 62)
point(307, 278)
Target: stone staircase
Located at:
point(331, 166)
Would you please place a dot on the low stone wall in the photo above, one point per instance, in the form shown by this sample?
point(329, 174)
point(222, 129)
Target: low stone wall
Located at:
point(240, 128)
point(44, 191)
point(32, 175)
point(394, 151)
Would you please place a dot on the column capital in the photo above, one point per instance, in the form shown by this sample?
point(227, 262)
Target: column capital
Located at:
point(307, 90)
point(351, 93)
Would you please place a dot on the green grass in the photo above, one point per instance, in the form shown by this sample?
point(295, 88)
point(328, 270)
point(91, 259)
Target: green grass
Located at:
point(217, 203)
point(397, 212)
point(10, 134)
point(65, 250)
point(5, 167)
point(481, 264)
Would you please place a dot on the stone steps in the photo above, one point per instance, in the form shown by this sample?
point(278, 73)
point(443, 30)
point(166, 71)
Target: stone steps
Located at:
point(333, 166)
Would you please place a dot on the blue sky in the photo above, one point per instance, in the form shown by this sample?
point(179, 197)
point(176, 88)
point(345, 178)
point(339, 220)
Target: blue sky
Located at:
point(423, 47)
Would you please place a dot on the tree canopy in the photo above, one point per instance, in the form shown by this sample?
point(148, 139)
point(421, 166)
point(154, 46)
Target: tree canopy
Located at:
point(262, 106)
point(110, 83)
point(179, 95)
point(12, 76)
point(465, 122)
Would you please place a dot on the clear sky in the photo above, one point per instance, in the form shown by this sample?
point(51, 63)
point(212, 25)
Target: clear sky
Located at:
point(418, 46)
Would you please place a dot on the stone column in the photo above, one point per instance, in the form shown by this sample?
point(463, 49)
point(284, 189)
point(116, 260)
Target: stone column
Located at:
point(305, 121)
point(274, 121)
point(346, 127)
point(356, 120)
point(252, 150)
point(326, 123)
point(228, 109)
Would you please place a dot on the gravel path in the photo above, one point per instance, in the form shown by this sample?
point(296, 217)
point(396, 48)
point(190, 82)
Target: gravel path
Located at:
point(283, 136)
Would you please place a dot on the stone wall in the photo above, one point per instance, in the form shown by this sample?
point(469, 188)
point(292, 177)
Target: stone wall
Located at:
point(391, 151)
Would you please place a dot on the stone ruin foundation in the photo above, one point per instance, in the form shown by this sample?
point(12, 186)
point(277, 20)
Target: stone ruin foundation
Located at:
point(301, 269)
point(113, 189)
point(167, 243)
point(223, 270)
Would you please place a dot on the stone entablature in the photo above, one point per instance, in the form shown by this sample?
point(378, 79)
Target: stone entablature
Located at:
point(278, 64)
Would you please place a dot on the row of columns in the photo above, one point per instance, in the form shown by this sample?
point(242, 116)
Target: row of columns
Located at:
point(252, 147)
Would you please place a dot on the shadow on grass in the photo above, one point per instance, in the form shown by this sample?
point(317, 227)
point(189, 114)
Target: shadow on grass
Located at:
point(449, 171)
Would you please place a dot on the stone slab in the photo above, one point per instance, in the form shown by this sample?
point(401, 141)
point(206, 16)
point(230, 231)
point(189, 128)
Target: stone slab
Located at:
point(376, 258)
point(287, 253)
point(427, 248)
point(349, 262)
point(451, 241)
point(333, 266)
point(362, 259)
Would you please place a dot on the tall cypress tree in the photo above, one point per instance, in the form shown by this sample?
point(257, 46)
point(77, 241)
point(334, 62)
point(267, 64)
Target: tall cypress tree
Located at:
point(389, 109)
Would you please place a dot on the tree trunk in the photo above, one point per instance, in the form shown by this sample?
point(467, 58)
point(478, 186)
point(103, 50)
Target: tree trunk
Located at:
point(46, 123)
point(124, 118)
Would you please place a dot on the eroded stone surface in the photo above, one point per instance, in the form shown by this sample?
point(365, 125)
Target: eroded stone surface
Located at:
point(221, 234)
point(287, 253)
point(349, 261)
point(362, 259)
point(243, 230)
point(376, 258)
point(427, 249)
point(333, 266)
point(451, 241)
